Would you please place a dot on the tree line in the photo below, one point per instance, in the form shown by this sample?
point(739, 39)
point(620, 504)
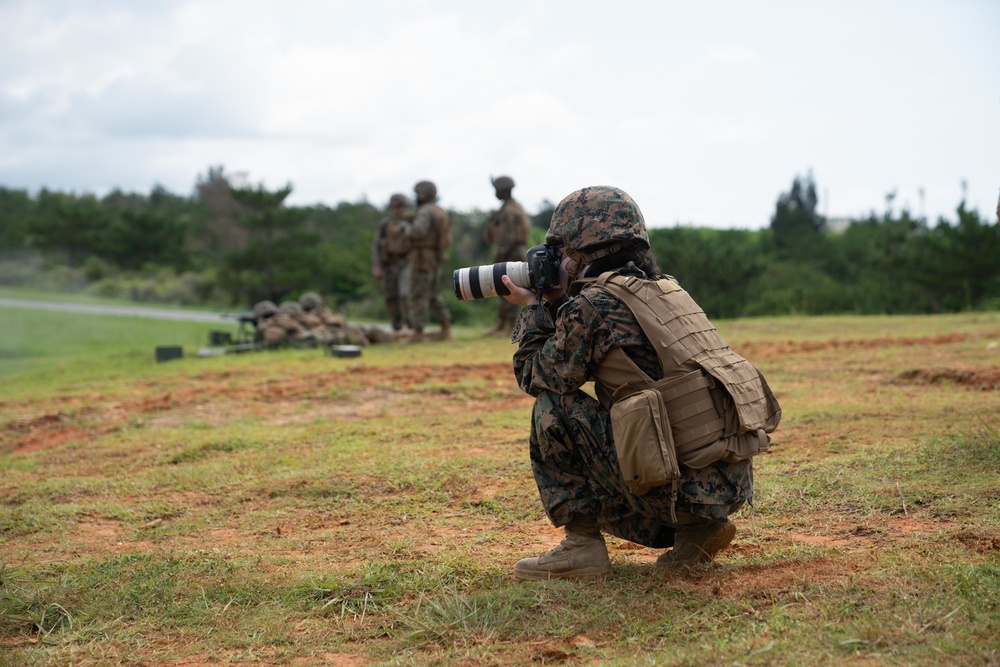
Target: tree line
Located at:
point(231, 243)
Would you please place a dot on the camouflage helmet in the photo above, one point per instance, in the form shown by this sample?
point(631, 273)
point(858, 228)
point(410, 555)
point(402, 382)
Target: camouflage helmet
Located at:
point(502, 183)
point(425, 190)
point(595, 222)
point(290, 307)
point(264, 309)
point(398, 200)
point(310, 300)
point(597, 216)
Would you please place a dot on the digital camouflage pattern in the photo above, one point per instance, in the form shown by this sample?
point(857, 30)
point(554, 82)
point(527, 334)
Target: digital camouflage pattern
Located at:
point(282, 327)
point(330, 328)
point(596, 216)
point(306, 323)
point(309, 320)
point(310, 301)
point(329, 318)
point(430, 238)
point(508, 229)
point(290, 307)
point(263, 309)
point(425, 300)
point(572, 447)
point(390, 252)
point(426, 191)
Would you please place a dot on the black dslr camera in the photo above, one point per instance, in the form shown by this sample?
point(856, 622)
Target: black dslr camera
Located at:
point(540, 272)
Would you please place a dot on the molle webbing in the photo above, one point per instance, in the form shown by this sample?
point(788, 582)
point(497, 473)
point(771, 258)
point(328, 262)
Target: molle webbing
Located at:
point(694, 416)
point(588, 257)
point(683, 336)
point(692, 411)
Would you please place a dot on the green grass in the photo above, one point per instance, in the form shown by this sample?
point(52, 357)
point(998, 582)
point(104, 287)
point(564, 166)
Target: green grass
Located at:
point(295, 508)
point(53, 343)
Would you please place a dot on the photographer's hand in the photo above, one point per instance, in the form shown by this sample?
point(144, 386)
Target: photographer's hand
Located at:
point(518, 295)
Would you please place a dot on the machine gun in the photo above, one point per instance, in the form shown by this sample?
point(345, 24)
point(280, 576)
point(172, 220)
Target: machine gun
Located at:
point(247, 331)
point(224, 342)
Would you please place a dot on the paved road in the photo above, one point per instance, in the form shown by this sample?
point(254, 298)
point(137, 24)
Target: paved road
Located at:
point(134, 311)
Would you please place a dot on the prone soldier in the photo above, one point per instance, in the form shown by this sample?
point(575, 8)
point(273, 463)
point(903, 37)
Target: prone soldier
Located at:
point(276, 328)
point(312, 325)
point(298, 329)
point(337, 330)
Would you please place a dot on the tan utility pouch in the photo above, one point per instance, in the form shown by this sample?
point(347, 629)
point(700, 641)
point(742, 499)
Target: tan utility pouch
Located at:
point(643, 441)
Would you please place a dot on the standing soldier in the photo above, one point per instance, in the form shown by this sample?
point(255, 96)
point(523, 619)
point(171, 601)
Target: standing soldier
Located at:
point(507, 228)
point(389, 252)
point(430, 238)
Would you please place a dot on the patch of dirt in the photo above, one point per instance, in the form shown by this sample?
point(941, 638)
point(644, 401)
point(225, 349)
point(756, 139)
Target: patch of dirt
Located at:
point(980, 543)
point(212, 398)
point(47, 434)
point(759, 349)
point(768, 559)
point(94, 531)
point(982, 379)
point(331, 660)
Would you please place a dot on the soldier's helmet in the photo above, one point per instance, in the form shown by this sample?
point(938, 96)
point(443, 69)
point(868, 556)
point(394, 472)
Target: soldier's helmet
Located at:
point(290, 307)
point(264, 309)
point(398, 200)
point(310, 300)
point(425, 190)
point(595, 218)
point(503, 183)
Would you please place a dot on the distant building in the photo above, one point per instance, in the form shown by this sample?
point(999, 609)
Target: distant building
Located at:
point(837, 225)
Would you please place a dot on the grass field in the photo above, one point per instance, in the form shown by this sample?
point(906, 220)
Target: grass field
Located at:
point(294, 508)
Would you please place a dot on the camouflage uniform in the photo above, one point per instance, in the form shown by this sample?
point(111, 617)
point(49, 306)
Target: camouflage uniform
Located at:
point(275, 328)
point(430, 238)
point(313, 303)
point(508, 228)
point(334, 325)
point(311, 329)
point(263, 311)
point(572, 449)
point(562, 347)
point(390, 249)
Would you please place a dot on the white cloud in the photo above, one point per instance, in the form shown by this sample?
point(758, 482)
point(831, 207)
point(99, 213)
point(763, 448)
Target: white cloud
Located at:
point(704, 113)
point(731, 55)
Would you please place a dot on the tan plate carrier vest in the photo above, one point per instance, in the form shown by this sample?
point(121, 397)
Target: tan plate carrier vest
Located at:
point(719, 406)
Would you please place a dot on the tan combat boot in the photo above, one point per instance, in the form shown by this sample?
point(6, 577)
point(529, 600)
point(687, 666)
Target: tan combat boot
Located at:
point(417, 336)
point(581, 554)
point(698, 544)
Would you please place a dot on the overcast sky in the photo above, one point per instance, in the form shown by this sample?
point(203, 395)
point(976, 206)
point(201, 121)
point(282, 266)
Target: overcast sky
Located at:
point(703, 111)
